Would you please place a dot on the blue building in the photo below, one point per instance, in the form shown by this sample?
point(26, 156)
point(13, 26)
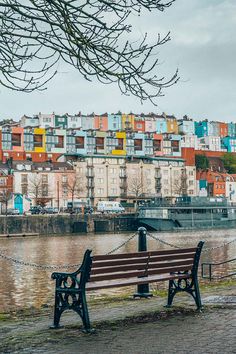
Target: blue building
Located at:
point(229, 143)
point(201, 128)
point(115, 121)
point(186, 126)
point(231, 129)
point(161, 125)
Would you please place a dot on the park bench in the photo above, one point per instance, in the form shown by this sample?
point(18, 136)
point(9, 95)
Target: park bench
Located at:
point(178, 266)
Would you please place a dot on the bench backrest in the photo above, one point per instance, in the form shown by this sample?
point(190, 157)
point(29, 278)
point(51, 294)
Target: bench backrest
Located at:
point(141, 264)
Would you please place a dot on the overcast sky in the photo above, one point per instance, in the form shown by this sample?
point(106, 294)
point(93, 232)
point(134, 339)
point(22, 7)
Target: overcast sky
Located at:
point(203, 47)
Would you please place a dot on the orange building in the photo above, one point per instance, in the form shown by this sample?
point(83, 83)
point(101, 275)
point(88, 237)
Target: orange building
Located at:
point(223, 129)
point(139, 124)
point(158, 144)
point(101, 122)
point(216, 185)
point(189, 155)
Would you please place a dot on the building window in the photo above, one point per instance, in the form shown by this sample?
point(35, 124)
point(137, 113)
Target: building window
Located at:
point(44, 191)
point(175, 145)
point(120, 144)
point(24, 179)
point(79, 142)
point(100, 180)
point(44, 178)
point(157, 145)
point(100, 191)
point(16, 139)
point(138, 144)
point(99, 143)
point(2, 181)
point(60, 141)
point(113, 191)
point(38, 140)
point(64, 179)
point(24, 189)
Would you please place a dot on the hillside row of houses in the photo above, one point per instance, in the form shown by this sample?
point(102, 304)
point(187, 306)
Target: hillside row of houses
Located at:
point(42, 144)
point(51, 159)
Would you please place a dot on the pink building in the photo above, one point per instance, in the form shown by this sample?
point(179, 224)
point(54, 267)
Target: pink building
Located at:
point(150, 125)
point(101, 122)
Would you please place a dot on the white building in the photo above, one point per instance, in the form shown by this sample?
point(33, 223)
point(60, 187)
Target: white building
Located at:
point(46, 120)
point(26, 121)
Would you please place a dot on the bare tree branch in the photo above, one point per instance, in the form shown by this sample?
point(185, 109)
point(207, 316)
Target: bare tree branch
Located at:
point(90, 35)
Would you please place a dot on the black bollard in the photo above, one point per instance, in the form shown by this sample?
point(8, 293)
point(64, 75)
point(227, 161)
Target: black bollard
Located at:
point(142, 289)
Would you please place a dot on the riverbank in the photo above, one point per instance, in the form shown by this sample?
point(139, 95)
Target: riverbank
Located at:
point(124, 325)
point(62, 224)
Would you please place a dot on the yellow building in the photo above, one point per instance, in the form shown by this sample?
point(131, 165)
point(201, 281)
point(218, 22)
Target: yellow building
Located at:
point(39, 140)
point(172, 125)
point(120, 148)
point(127, 121)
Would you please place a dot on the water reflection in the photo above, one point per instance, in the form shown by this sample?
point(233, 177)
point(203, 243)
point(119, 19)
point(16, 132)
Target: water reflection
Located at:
point(22, 286)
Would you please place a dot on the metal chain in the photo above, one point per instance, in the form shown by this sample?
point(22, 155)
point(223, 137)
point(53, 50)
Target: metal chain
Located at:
point(175, 246)
point(122, 245)
point(53, 267)
point(39, 266)
point(220, 246)
point(161, 241)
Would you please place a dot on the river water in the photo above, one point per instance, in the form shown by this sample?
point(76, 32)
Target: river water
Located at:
point(24, 286)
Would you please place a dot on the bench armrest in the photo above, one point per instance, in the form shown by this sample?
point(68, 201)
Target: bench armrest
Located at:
point(77, 279)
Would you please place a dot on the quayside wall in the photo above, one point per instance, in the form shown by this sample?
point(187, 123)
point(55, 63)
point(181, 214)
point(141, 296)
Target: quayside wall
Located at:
point(65, 224)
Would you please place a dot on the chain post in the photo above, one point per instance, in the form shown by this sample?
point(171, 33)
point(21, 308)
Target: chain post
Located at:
point(142, 289)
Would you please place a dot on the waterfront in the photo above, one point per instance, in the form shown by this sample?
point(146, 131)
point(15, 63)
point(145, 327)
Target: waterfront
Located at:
point(24, 286)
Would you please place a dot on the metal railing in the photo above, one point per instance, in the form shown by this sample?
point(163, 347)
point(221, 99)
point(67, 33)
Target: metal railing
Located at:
point(210, 270)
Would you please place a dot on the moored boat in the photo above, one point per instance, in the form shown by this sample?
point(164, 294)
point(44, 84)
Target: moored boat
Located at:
point(187, 213)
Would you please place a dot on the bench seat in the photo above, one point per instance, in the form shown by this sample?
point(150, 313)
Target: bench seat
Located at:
point(132, 281)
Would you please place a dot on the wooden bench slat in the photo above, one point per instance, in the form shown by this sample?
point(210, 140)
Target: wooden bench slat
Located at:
point(139, 273)
point(100, 257)
point(141, 260)
point(105, 270)
point(133, 281)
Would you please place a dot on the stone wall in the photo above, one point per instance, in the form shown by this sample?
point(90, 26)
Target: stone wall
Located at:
point(65, 224)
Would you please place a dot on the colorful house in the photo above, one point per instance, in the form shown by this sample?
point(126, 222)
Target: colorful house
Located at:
point(157, 144)
point(161, 124)
point(148, 144)
point(223, 129)
point(214, 128)
point(231, 130)
point(76, 141)
point(186, 126)
point(101, 122)
point(73, 121)
point(214, 181)
point(229, 143)
point(115, 121)
point(172, 145)
point(172, 124)
point(61, 121)
point(139, 123)
point(150, 124)
point(87, 122)
point(46, 120)
point(55, 140)
point(120, 144)
point(27, 121)
point(201, 128)
point(135, 144)
point(127, 121)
